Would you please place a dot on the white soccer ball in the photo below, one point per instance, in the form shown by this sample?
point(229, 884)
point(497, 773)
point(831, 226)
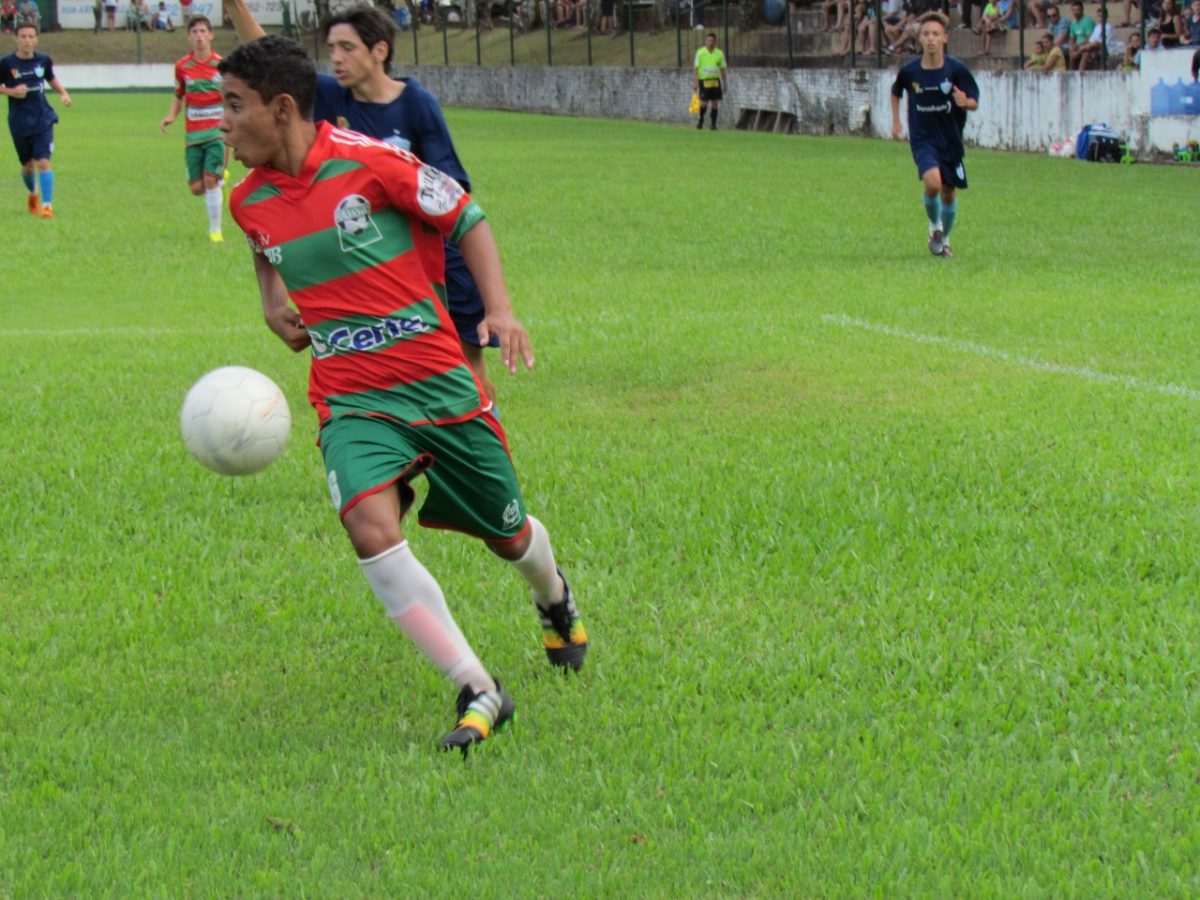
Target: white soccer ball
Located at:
point(235, 421)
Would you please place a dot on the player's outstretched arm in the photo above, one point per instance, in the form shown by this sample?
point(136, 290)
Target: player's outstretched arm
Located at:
point(244, 23)
point(279, 315)
point(482, 257)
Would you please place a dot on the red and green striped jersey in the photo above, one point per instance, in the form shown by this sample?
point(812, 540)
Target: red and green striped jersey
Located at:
point(356, 237)
point(199, 84)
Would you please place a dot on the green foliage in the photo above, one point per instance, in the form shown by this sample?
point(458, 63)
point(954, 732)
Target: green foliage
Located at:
point(891, 588)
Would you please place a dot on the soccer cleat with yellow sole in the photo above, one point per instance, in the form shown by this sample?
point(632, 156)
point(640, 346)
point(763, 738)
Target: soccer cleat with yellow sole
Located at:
point(480, 715)
point(563, 634)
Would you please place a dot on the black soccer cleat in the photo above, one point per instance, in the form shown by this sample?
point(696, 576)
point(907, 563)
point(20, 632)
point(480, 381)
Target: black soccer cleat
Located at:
point(480, 715)
point(937, 242)
point(563, 634)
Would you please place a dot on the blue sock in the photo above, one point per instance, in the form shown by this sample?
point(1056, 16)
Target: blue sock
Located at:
point(27, 177)
point(46, 181)
point(949, 211)
point(933, 208)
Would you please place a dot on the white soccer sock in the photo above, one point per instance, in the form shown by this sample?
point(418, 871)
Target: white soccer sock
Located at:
point(416, 604)
point(537, 567)
point(212, 199)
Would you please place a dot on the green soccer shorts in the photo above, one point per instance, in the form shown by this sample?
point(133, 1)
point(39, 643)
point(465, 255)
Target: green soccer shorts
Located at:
point(472, 484)
point(202, 158)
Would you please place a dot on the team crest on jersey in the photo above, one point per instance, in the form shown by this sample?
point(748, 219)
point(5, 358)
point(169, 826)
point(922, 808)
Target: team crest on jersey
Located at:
point(945, 86)
point(437, 192)
point(354, 224)
point(39, 71)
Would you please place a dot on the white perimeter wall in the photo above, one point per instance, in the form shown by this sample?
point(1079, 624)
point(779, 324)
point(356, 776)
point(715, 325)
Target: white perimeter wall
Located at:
point(1019, 111)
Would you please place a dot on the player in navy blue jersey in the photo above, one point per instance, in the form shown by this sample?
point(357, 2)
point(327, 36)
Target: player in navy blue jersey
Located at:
point(940, 91)
point(31, 119)
point(363, 97)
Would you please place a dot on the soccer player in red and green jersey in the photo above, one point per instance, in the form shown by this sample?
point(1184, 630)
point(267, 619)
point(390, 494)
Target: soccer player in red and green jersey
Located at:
point(351, 230)
point(198, 89)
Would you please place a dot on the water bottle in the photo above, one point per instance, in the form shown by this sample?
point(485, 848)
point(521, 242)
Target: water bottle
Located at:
point(1176, 98)
point(1160, 99)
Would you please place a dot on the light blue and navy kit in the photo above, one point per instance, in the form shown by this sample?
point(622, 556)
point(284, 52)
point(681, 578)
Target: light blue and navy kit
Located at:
point(935, 123)
point(31, 119)
point(413, 122)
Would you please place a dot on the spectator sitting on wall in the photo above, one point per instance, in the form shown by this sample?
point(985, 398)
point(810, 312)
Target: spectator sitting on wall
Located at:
point(859, 15)
point(1133, 53)
point(1192, 21)
point(1037, 10)
point(1056, 60)
point(902, 35)
point(841, 7)
point(1037, 59)
point(1058, 28)
point(162, 19)
point(8, 16)
point(1080, 30)
point(868, 29)
point(138, 15)
point(990, 23)
point(29, 14)
point(1101, 38)
point(1171, 24)
point(1047, 57)
point(1153, 11)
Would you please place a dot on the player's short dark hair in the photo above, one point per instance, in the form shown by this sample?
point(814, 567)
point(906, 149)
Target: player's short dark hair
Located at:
point(272, 66)
point(25, 24)
point(935, 15)
point(370, 23)
point(199, 20)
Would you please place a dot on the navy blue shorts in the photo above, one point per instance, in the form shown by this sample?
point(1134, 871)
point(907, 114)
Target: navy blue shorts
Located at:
point(926, 158)
point(34, 146)
point(463, 298)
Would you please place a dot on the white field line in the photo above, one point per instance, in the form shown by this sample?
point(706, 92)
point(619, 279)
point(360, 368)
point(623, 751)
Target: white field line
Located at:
point(1016, 359)
point(126, 331)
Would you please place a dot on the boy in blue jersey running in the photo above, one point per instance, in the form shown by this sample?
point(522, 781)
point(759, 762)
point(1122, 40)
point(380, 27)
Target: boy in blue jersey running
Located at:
point(363, 97)
point(940, 91)
point(23, 76)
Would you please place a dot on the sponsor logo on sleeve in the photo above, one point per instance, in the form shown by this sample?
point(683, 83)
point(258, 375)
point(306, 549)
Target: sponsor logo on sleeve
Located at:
point(437, 192)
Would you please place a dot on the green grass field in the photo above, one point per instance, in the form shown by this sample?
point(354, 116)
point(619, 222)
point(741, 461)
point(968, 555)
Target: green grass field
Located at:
point(889, 562)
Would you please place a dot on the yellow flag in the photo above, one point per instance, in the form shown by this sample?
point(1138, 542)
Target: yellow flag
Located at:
point(694, 106)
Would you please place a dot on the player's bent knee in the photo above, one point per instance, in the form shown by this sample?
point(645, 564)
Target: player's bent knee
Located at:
point(511, 550)
point(197, 187)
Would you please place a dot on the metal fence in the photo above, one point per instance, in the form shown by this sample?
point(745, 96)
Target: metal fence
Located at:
point(771, 33)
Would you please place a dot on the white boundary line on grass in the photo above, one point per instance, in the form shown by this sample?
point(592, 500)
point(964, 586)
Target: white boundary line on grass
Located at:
point(1016, 359)
point(135, 331)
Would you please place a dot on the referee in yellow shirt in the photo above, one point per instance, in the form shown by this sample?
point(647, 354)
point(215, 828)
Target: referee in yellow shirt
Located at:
point(709, 78)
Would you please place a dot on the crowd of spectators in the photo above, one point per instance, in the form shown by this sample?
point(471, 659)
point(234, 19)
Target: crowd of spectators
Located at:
point(1076, 41)
point(19, 12)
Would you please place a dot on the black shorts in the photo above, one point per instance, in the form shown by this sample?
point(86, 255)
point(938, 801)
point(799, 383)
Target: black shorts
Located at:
point(607, 8)
point(710, 93)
